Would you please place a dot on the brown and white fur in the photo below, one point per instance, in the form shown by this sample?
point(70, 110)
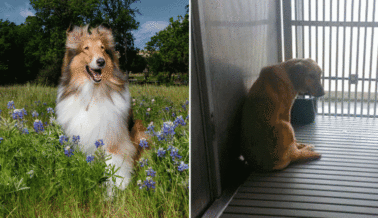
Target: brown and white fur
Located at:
point(94, 100)
point(268, 141)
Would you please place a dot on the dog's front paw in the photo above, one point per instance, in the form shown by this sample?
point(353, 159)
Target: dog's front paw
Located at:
point(305, 146)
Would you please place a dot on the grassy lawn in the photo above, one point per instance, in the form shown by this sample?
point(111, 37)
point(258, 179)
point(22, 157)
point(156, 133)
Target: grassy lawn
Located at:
point(37, 178)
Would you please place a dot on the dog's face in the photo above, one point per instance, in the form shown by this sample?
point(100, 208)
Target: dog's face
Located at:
point(305, 76)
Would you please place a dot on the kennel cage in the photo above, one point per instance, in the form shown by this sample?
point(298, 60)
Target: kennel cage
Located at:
point(230, 42)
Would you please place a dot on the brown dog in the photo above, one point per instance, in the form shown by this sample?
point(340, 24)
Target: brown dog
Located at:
point(268, 141)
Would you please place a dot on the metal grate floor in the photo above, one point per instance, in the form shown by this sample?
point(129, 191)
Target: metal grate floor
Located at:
point(343, 183)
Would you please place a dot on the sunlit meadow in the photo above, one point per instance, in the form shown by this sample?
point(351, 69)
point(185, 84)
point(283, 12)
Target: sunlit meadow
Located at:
point(42, 174)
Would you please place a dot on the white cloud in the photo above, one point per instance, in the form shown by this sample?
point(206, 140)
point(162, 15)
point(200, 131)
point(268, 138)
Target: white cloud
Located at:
point(25, 12)
point(146, 31)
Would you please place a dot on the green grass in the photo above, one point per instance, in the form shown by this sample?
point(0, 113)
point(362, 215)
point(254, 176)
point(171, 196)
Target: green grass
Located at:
point(38, 180)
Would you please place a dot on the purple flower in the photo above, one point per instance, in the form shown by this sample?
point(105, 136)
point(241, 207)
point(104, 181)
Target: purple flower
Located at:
point(149, 183)
point(0, 111)
point(187, 102)
point(182, 166)
point(150, 128)
point(167, 108)
point(38, 126)
point(63, 139)
point(24, 111)
point(179, 120)
point(161, 152)
point(44, 103)
point(143, 162)
point(76, 139)
point(35, 114)
point(143, 143)
point(174, 153)
point(17, 114)
point(173, 114)
point(183, 106)
point(10, 105)
point(25, 131)
point(1, 139)
point(150, 172)
point(50, 110)
point(68, 151)
point(90, 158)
point(99, 143)
point(187, 117)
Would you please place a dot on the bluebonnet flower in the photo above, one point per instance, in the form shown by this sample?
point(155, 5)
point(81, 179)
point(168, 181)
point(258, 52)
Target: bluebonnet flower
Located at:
point(99, 143)
point(167, 108)
point(63, 139)
point(25, 131)
point(182, 166)
point(90, 158)
point(179, 120)
point(44, 103)
point(10, 105)
point(161, 152)
point(68, 151)
point(140, 184)
point(17, 114)
point(0, 110)
point(150, 128)
point(38, 126)
point(150, 172)
point(187, 102)
point(143, 162)
point(159, 135)
point(76, 139)
point(1, 139)
point(173, 114)
point(24, 111)
point(50, 110)
point(35, 114)
point(187, 117)
point(168, 128)
point(149, 183)
point(174, 153)
point(183, 106)
point(143, 143)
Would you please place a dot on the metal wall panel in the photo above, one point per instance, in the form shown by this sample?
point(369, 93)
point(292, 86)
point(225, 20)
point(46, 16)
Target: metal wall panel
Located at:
point(238, 38)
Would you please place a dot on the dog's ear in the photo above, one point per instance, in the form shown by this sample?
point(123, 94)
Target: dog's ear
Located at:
point(297, 74)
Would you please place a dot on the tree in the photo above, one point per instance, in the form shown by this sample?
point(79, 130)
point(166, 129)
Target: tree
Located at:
point(139, 64)
point(172, 46)
point(52, 18)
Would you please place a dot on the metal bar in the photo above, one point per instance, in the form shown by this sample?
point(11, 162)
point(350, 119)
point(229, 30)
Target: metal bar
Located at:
point(296, 28)
point(350, 57)
point(323, 53)
point(363, 68)
point(309, 27)
point(357, 57)
point(316, 46)
point(303, 32)
point(337, 55)
point(330, 60)
point(288, 45)
point(342, 92)
point(341, 78)
point(335, 23)
point(371, 63)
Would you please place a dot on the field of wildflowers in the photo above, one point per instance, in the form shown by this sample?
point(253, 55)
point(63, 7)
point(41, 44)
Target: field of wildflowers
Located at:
point(42, 174)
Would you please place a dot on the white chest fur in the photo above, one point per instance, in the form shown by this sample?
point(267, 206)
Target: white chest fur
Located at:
point(92, 114)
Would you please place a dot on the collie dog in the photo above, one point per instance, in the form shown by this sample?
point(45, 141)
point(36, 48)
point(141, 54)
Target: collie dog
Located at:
point(94, 101)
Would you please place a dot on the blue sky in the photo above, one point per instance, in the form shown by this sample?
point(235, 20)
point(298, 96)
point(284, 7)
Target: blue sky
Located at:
point(154, 16)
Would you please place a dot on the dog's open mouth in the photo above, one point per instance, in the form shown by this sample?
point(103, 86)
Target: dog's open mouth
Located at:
point(94, 74)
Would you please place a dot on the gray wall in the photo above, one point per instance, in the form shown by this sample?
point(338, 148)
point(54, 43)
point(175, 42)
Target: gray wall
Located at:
point(231, 42)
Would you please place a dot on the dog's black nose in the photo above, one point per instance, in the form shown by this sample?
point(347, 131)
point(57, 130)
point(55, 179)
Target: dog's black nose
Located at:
point(100, 62)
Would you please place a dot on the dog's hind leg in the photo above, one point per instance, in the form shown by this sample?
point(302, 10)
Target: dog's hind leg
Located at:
point(305, 153)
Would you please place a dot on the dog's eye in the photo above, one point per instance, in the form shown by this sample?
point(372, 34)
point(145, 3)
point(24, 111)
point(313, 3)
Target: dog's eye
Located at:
point(86, 48)
point(102, 47)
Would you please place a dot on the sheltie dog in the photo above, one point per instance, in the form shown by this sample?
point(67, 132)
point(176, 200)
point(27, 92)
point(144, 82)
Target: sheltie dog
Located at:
point(94, 101)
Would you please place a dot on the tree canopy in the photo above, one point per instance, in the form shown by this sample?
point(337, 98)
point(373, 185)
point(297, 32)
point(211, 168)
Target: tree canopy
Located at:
point(35, 49)
point(169, 48)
